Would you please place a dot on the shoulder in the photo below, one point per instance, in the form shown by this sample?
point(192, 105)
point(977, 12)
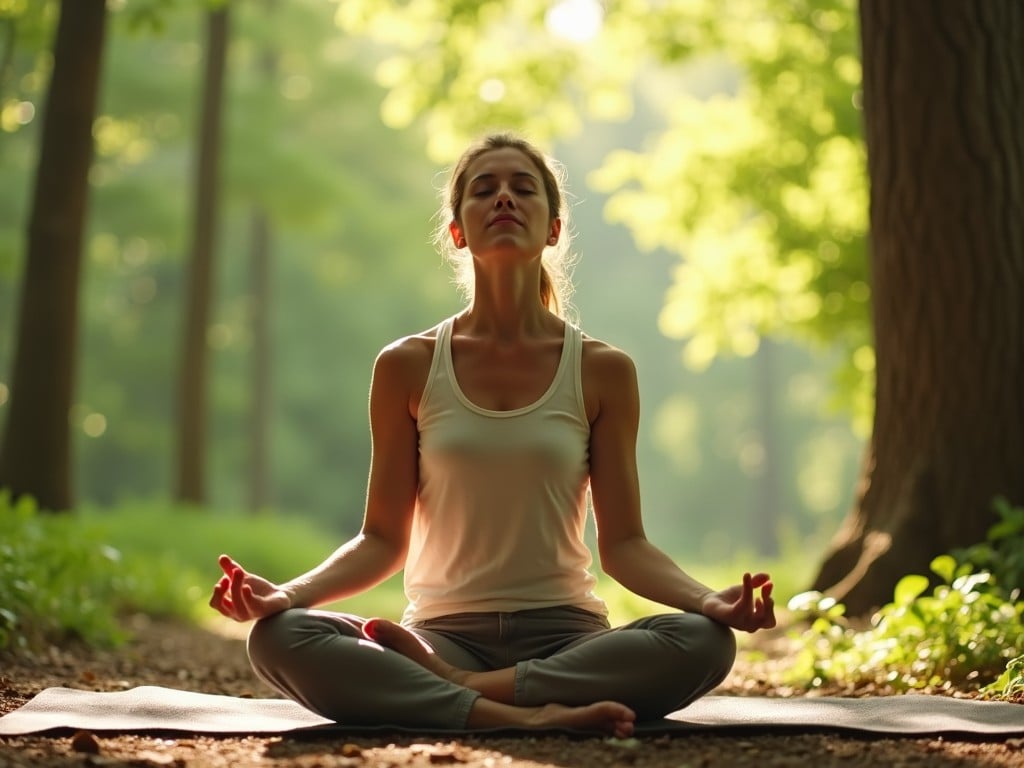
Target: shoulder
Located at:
point(609, 377)
point(405, 363)
point(408, 350)
point(604, 361)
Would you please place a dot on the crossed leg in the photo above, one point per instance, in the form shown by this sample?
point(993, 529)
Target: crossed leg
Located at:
point(494, 707)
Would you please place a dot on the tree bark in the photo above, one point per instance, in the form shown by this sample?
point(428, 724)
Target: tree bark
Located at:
point(943, 110)
point(192, 406)
point(259, 411)
point(261, 301)
point(35, 455)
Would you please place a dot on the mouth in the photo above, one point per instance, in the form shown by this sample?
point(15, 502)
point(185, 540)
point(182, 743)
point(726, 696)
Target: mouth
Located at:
point(505, 219)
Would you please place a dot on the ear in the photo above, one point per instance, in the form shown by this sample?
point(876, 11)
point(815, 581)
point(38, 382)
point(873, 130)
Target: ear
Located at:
point(457, 237)
point(556, 230)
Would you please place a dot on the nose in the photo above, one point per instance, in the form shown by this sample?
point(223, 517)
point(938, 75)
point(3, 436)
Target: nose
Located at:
point(505, 198)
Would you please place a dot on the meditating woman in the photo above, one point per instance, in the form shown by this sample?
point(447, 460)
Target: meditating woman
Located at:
point(487, 432)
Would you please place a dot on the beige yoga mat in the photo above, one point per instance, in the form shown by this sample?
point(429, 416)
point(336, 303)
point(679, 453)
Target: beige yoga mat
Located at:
point(166, 709)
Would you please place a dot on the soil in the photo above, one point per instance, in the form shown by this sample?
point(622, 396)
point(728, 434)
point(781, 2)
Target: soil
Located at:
point(179, 656)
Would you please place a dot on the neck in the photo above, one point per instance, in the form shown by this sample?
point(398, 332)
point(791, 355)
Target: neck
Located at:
point(508, 306)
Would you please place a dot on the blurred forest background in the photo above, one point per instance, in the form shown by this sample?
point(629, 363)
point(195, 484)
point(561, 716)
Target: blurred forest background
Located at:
point(720, 183)
point(746, 453)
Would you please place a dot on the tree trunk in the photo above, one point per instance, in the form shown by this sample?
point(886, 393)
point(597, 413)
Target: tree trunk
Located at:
point(35, 456)
point(943, 110)
point(194, 363)
point(259, 412)
point(259, 315)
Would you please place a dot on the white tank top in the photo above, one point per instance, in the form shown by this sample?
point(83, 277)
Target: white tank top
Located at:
point(501, 508)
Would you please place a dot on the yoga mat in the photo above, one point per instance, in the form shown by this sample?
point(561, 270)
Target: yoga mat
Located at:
point(168, 709)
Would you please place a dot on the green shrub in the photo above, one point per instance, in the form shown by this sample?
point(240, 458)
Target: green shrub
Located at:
point(961, 634)
point(77, 574)
point(1010, 684)
point(1002, 552)
point(57, 580)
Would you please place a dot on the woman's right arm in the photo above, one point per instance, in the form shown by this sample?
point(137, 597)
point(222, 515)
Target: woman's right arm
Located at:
point(379, 550)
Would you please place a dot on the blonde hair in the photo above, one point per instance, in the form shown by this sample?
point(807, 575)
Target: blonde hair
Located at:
point(557, 260)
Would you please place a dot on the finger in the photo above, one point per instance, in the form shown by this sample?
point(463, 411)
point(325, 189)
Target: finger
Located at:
point(769, 612)
point(746, 600)
point(219, 600)
point(249, 600)
point(218, 593)
point(238, 602)
point(227, 564)
point(759, 580)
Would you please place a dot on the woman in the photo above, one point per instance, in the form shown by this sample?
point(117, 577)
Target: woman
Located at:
point(487, 431)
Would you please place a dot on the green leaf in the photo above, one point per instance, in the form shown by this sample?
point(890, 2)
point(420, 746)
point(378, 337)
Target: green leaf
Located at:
point(909, 588)
point(945, 567)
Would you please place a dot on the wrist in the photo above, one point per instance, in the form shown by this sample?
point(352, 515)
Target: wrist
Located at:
point(703, 599)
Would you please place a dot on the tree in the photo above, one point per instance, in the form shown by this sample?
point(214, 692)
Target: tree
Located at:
point(35, 456)
point(192, 404)
point(260, 307)
point(943, 106)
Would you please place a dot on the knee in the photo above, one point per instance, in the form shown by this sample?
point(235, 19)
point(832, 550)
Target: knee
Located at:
point(271, 636)
point(706, 644)
point(718, 646)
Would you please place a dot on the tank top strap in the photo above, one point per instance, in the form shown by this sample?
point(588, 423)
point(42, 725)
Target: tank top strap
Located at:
point(438, 367)
point(575, 378)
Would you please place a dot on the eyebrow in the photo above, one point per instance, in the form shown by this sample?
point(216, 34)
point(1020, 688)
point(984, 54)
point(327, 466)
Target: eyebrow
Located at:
point(488, 176)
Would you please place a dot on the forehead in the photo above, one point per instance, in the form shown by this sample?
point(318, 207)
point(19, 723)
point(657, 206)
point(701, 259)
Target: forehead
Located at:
point(506, 161)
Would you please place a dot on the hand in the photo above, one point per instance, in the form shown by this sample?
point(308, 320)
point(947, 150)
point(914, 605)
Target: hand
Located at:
point(242, 596)
point(738, 607)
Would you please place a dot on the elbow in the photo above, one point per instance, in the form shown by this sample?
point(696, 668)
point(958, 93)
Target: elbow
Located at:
point(615, 557)
point(388, 551)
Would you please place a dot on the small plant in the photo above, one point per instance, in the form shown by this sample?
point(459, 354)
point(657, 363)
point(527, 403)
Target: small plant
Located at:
point(56, 581)
point(962, 633)
point(1010, 684)
point(1002, 552)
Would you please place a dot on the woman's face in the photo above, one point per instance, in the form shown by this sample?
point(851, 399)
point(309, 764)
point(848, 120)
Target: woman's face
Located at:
point(504, 206)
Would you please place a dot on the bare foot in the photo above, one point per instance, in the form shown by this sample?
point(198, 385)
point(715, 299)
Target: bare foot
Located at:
point(606, 716)
point(398, 638)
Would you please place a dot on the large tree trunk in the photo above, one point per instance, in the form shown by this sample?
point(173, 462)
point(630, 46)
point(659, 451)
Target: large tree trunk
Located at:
point(259, 485)
point(35, 456)
point(192, 415)
point(259, 411)
point(943, 109)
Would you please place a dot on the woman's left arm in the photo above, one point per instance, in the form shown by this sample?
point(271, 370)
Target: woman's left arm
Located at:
point(613, 407)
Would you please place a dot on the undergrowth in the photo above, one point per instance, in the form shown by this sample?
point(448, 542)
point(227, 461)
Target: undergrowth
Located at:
point(966, 632)
point(77, 575)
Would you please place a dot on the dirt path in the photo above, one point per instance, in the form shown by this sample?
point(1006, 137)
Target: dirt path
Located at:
point(184, 657)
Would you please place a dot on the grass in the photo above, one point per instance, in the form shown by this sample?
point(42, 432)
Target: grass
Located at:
point(161, 559)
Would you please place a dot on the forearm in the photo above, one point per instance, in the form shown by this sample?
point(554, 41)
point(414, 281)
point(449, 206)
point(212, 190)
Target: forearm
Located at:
point(645, 570)
point(356, 566)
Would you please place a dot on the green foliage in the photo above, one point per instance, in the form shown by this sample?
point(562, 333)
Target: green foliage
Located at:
point(755, 178)
point(1010, 684)
point(76, 575)
point(352, 269)
point(961, 634)
point(57, 579)
point(1002, 552)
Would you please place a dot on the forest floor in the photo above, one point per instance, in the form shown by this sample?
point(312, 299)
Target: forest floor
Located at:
point(175, 655)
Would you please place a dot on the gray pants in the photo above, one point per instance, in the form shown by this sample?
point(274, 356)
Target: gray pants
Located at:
point(567, 655)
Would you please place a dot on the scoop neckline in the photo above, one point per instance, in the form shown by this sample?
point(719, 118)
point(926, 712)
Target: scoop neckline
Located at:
point(464, 399)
